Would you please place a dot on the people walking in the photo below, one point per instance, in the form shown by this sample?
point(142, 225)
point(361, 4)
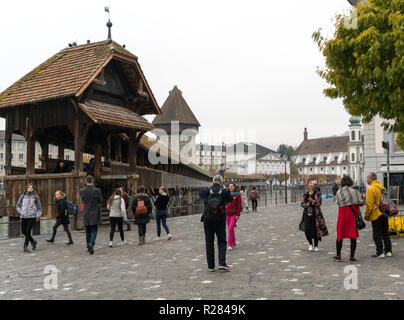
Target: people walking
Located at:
point(117, 215)
point(142, 208)
point(125, 197)
point(91, 197)
point(161, 204)
point(349, 200)
point(244, 199)
point(214, 221)
point(380, 224)
point(30, 209)
point(335, 189)
point(312, 223)
point(233, 211)
point(254, 196)
point(62, 217)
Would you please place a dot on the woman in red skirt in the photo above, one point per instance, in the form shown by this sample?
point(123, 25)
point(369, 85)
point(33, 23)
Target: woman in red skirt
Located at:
point(349, 200)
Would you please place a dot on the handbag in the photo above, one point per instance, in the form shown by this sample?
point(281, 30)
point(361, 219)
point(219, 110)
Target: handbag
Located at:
point(360, 223)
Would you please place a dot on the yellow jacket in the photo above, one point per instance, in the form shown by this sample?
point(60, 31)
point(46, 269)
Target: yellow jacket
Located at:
point(373, 198)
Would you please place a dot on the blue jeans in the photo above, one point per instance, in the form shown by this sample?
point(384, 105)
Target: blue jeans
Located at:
point(161, 215)
point(91, 234)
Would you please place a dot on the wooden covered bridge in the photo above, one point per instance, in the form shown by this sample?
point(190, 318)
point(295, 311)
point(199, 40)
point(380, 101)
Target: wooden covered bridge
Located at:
point(91, 99)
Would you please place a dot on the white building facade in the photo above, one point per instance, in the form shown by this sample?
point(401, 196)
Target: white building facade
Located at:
point(333, 156)
point(376, 157)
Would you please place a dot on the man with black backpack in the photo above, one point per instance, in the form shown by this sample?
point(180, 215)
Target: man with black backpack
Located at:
point(379, 221)
point(214, 220)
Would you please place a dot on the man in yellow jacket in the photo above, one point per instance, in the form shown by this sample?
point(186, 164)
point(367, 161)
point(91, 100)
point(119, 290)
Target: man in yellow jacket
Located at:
point(380, 223)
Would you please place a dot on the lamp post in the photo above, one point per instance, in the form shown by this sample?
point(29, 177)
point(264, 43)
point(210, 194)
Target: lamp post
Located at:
point(285, 158)
point(386, 145)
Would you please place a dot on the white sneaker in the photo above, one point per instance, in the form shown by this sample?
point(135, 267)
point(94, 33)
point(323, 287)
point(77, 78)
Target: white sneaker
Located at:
point(157, 238)
point(310, 248)
point(316, 249)
point(123, 243)
point(229, 248)
point(110, 244)
point(169, 236)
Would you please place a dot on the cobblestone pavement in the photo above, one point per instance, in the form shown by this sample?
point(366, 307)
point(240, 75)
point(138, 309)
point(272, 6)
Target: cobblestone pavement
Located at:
point(271, 261)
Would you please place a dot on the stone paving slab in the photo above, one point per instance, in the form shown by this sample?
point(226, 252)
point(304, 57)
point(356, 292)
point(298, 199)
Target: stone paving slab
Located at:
point(271, 261)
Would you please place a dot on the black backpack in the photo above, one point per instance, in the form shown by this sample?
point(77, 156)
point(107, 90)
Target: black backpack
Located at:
point(214, 205)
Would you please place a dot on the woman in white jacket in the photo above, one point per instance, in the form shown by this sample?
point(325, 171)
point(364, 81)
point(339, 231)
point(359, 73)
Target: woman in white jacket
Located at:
point(116, 206)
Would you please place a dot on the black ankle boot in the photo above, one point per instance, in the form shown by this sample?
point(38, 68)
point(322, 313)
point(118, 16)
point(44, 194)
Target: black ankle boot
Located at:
point(26, 249)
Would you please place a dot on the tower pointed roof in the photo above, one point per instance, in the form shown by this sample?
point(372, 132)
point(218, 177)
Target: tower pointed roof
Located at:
point(175, 108)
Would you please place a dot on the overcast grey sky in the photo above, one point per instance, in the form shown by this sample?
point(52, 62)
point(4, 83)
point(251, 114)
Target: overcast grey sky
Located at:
point(240, 64)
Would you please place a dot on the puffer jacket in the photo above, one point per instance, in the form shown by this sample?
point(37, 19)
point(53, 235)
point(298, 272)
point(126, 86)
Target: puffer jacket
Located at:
point(117, 208)
point(29, 207)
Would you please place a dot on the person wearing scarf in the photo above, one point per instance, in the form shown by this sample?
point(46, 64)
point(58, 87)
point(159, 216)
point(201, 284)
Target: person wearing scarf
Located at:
point(348, 200)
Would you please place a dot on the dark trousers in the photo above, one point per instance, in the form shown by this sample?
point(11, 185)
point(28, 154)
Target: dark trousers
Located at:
point(26, 229)
point(114, 222)
point(310, 238)
point(254, 204)
point(141, 229)
point(353, 247)
point(310, 229)
point(65, 226)
point(381, 235)
point(91, 235)
point(161, 217)
point(214, 226)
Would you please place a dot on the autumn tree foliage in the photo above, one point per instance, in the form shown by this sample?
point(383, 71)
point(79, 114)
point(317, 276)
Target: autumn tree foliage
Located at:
point(365, 63)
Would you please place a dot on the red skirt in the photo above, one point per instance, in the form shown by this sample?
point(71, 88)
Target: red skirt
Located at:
point(346, 224)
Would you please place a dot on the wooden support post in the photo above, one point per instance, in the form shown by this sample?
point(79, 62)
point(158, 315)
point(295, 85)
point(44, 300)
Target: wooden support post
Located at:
point(132, 151)
point(30, 157)
point(61, 151)
point(108, 150)
point(44, 154)
point(8, 142)
point(97, 160)
point(118, 150)
point(78, 154)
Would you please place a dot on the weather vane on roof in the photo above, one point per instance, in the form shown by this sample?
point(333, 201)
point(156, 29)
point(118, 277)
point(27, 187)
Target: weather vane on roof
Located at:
point(109, 23)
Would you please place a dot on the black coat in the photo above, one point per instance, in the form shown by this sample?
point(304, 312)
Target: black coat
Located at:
point(62, 215)
point(162, 202)
point(142, 218)
point(91, 197)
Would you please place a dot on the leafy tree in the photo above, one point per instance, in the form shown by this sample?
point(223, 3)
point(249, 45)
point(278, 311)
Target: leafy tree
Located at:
point(284, 149)
point(294, 172)
point(365, 65)
point(281, 177)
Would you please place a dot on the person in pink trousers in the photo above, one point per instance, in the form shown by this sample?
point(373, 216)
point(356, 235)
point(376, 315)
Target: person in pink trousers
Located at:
point(233, 211)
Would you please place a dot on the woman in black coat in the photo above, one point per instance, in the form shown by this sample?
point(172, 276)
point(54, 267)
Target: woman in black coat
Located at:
point(142, 207)
point(62, 217)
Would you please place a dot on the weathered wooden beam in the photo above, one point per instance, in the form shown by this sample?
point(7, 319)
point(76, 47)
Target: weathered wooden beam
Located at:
point(132, 151)
point(8, 141)
point(97, 160)
point(78, 154)
point(118, 150)
point(108, 150)
point(61, 151)
point(44, 153)
point(30, 157)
